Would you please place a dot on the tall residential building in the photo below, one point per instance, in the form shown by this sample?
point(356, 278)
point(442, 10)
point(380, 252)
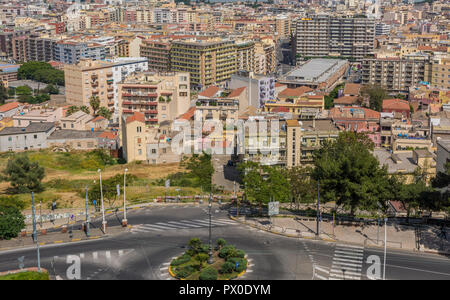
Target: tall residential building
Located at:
point(440, 75)
point(208, 61)
point(396, 75)
point(159, 96)
point(245, 56)
point(100, 79)
point(324, 35)
point(283, 26)
point(70, 52)
point(158, 54)
point(382, 29)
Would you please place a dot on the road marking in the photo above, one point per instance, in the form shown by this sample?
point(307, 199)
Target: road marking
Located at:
point(108, 255)
point(350, 246)
point(188, 225)
point(348, 253)
point(81, 255)
point(322, 269)
point(345, 272)
point(120, 252)
point(349, 256)
point(169, 225)
point(345, 264)
point(95, 255)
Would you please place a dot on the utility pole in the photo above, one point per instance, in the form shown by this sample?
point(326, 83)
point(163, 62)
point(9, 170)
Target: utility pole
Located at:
point(103, 208)
point(210, 259)
point(40, 212)
point(237, 201)
point(385, 240)
point(35, 233)
point(124, 221)
point(87, 212)
point(317, 216)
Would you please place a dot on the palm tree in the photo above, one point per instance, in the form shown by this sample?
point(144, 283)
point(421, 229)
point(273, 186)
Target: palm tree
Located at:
point(161, 99)
point(71, 110)
point(85, 109)
point(94, 101)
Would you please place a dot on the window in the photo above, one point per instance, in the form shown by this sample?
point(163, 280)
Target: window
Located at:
point(35, 136)
point(164, 150)
point(139, 129)
point(153, 151)
point(139, 151)
point(64, 125)
point(71, 125)
point(10, 139)
point(79, 145)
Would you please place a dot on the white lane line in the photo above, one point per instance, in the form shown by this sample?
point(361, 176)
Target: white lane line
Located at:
point(346, 272)
point(170, 225)
point(349, 256)
point(340, 277)
point(184, 224)
point(337, 267)
point(166, 264)
point(349, 253)
point(108, 255)
point(347, 260)
point(322, 270)
point(350, 246)
point(155, 227)
point(163, 268)
point(192, 222)
point(144, 230)
point(320, 277)
point(346, 264)
point(350, 250)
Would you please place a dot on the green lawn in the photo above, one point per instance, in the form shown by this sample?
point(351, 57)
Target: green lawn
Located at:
point(27, 275)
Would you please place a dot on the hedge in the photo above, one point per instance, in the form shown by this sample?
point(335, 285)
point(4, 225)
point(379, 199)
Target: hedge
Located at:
point(209, 274)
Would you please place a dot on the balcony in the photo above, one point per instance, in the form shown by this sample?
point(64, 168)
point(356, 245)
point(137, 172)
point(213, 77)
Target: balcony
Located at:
point(151, 111)
point(152, 120)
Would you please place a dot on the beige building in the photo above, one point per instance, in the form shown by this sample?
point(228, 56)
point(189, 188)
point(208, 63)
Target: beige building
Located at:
point(245, 56)
point(305, 136)
point(440, 73)
point(159, 96)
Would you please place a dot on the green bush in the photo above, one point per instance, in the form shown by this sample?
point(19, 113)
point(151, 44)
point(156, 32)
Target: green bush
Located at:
point(181, 260)
point(240, 253)
point(242, 263)
point(221, 242)
point(31, 275)
point(195, 245)
point(202, 257)
point(209, 274)
point(227, 267)
point(184, 271)
point(204, 248)
point(227, 251)
point(11, 222)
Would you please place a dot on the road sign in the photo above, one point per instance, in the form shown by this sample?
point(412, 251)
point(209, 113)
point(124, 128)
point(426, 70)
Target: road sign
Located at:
point(167, 183)
point(274, 208)
point(118, 190)
point(237, 265)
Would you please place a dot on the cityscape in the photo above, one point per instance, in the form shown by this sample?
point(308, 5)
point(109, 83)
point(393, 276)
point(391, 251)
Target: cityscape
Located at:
point(231, 144)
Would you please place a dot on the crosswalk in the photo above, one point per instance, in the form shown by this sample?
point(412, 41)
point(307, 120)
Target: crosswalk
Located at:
point(180, 224)
point(347, 262)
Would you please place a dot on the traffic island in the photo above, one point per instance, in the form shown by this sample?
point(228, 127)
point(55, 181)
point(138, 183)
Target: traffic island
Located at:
point(227, 262)
point(25, 274)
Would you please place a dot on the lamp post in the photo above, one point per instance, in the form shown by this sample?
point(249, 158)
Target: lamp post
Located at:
point(35, 233)
point(124, 221)
point(210, 259)
point(385, 240)
point(103, 208)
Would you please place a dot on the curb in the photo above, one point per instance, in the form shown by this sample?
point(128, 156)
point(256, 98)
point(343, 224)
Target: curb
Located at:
point(283, 234)
point(55, 242)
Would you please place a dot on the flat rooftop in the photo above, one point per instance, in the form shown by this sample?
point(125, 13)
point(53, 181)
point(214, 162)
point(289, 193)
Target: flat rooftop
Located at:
point(316, 69)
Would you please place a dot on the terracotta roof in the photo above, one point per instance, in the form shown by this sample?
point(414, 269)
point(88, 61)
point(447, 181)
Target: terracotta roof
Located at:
point(396, 104)
point(352, 89)
point(297, 92)
point(346, 100)
point(236, 92)
point(97, 119)
point(8, 106)
point(189, 114)
point(107, 135)
point(350, 112)
point(210, 91)
point(280, 109)
point(277, 84)
point(137, 116)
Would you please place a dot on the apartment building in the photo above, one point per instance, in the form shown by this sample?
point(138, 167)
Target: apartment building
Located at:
point(245, 55)
point(158, 96)
point(260, 88)
point(394, 74)
point(305, 136)
point(208, 61)
point(440, 73)
point(99, 79)
point(283, 26)
point(70, 52)
point(158, 54)
point(324, 35)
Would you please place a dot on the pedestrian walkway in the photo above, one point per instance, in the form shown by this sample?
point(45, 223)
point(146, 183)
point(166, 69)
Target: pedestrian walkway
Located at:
point(347, 262)
point(180, 224)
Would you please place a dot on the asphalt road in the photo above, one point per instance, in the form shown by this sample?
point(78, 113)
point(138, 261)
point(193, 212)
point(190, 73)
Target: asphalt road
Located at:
point(161, 232)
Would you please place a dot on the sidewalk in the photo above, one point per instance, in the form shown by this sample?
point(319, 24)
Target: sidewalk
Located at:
point(59, 237)
point(398, 236)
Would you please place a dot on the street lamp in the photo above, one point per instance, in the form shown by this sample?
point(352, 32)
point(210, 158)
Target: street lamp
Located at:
point(103, 208)
point(385, 240)
point(124, 221)
point(210, 259)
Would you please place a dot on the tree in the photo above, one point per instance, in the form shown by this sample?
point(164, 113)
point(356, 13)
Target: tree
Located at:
point(349, 173)
point(71, 110)
point(94, 102)
point(303, 187)
point(202, 169)
point(40, 71)
point(109, 187)
point(264, 183)
point(11, 222)
point(3, 93)
point(51, 89)
point(24, 176)
point(104, 112)
point(85, 109)
point(376, 96)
